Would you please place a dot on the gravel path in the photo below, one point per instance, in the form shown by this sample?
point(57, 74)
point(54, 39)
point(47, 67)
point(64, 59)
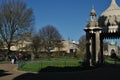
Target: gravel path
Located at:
point(9, 71)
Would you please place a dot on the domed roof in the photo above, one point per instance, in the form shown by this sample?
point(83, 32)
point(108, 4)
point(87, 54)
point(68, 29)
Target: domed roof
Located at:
point(112, 43)
point(113, 9)
point(111, 16)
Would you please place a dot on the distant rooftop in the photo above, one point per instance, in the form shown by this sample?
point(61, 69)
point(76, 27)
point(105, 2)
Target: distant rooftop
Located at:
point(113, 43)
point(111, 16)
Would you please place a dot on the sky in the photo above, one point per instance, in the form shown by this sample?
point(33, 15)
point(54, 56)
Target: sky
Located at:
point(68, 16)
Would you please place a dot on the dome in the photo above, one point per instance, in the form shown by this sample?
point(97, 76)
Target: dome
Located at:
point(112, 43)
point(111, 16)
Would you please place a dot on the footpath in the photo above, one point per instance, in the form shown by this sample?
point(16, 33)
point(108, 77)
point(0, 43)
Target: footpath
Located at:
point(9, 71)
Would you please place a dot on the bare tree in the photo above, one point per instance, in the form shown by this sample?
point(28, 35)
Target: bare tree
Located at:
point(82, 43)
point(50, 35)
point(82, 46)
point(37, 44)
point(15, 19)
point(20, 39)
point(59, 45)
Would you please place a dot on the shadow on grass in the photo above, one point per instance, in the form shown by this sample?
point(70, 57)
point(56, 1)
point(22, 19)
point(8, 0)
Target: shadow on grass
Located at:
point(65, 69)
point(105, 72)
point(4, 73)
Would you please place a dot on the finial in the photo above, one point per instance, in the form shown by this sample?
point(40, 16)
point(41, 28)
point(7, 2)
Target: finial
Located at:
point(113, 2)
point(93, 13)
point(92, 6)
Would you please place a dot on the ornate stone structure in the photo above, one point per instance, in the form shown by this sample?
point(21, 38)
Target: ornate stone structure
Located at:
point(112, 46)
point(106, 26)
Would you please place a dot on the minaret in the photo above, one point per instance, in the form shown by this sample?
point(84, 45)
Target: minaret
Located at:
point(92, 14)
point(93, 18)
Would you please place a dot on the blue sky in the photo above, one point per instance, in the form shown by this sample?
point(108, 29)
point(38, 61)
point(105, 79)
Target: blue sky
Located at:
point(68, 16)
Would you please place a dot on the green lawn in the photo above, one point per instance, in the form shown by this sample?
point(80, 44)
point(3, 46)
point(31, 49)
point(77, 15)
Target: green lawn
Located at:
point(54, 62)
point(112, 61)
point(42, 63)
point(4, 62)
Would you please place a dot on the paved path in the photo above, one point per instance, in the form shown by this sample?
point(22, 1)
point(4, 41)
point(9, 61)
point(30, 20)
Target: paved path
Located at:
point(9, 71)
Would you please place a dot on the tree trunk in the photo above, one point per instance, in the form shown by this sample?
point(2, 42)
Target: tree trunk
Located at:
point(9, 51)
point(49, 54)
point(32, 56)
point(59, 52)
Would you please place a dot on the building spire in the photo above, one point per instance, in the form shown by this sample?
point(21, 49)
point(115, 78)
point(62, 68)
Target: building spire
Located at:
point(93, 13)
point(92, 6)
point(113, 2)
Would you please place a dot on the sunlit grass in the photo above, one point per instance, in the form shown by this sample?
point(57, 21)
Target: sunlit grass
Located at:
point(42, 63)
point(35, 66)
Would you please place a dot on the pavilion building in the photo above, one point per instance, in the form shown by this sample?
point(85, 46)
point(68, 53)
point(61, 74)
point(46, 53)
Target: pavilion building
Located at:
point(107, 26)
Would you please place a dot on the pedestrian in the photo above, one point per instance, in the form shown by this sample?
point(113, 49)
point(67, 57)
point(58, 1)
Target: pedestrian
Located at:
point(13, 58)
point(19, 56)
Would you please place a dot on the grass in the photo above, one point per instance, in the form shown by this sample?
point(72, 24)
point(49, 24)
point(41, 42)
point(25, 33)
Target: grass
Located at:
point(42, 63)
point(35, 66)
point(112, 61)
point(4, 62)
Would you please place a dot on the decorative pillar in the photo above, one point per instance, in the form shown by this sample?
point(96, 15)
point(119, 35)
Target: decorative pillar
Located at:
point(101, 57)
point(93, 52)
point(87, 55)
point(97, 45)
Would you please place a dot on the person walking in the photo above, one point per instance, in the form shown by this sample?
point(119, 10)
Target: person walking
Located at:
point(13, 59)
point(19, 56)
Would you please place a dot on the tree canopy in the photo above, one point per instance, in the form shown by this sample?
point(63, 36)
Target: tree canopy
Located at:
point(15, 19)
